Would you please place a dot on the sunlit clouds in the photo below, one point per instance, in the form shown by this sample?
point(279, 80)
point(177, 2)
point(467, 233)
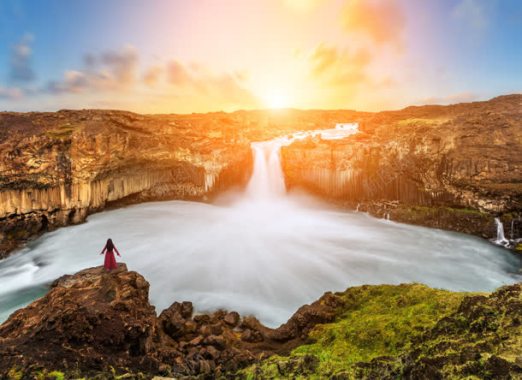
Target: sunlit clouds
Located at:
point(177, 56)
point(381, 21)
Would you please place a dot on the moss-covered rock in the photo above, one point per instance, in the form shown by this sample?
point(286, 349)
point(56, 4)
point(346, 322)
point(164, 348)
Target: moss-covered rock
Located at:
point(100, 326)
point(483, 338)
point(410, 332)
point(374, 322)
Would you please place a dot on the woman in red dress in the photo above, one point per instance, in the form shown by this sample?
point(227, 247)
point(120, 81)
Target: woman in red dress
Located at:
point(110, 261)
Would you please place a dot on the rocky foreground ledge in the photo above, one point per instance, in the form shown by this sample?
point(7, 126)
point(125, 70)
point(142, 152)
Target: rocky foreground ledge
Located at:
point(101, 325)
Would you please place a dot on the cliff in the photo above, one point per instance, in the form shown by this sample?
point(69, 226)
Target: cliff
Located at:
point(94, 322)
point(452, 167)
point(101, 325)
point(410, 332)
point(56, 168)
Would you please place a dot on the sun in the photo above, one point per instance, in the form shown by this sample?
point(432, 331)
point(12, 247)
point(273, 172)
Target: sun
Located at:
point(275, 99)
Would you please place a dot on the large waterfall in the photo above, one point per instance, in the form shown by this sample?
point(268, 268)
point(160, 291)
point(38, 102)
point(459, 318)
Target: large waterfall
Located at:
point(262, 252)
point(267, 180)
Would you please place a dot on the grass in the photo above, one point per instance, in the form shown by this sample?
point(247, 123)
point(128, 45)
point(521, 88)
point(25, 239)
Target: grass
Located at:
point(376, 321)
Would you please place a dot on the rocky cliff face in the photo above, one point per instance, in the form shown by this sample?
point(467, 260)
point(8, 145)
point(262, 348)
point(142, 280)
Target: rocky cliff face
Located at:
point(444, 166)
point(99, 324)
point(451, 167)
point(56, 168)
point(94, 322)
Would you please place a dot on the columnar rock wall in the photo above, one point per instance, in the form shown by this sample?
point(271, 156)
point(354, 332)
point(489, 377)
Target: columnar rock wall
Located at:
point(464, 157)
point(57, 168)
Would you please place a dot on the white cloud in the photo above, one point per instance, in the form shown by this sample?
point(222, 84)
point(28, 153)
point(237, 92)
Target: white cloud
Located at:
point(21, 69)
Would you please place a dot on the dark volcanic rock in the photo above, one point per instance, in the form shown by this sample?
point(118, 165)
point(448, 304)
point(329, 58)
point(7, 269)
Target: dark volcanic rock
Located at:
point(93, 321)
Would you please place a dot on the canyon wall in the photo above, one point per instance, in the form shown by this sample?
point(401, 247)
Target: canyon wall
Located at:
point(57, 168)
point(451, 167)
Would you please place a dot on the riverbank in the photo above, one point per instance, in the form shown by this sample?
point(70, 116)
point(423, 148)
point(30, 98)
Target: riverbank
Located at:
point(101, 324)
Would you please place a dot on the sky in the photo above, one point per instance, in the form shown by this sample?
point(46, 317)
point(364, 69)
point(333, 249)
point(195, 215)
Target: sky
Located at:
point(183, 56)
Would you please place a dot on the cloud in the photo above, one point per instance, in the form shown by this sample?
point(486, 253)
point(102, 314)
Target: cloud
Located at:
point(21, 69)
point(474, 13)
point(110, 70)
point(123, 64)
point(198, 80)
point(339, 68)
point(152, 75)
point(171, 85)
point(178, 74)
point(12, 93)
point(382, 21)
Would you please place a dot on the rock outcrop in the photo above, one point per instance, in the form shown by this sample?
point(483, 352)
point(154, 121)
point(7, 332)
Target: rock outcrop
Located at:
point(452, 167)
point(96, 321)
point(410, 332)
point(99, 324)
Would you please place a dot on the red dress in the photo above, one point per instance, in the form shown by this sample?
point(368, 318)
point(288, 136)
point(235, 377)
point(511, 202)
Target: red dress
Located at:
point(110, 260)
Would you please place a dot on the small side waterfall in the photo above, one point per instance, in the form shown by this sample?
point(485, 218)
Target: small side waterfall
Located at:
point(501, 238)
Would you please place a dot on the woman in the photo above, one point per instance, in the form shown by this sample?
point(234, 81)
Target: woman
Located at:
point(110, 261)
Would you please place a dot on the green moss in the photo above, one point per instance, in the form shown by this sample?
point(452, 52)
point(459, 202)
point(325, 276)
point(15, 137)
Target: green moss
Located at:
point(57, 375)
point(14, 374)
point(376, 321)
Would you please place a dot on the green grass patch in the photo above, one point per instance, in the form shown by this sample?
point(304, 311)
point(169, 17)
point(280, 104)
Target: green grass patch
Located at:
point(376, 321)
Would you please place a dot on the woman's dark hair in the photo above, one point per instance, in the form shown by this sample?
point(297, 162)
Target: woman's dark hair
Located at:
point(110, 245)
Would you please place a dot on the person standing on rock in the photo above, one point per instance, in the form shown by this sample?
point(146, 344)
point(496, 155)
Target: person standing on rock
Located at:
point(110, 261)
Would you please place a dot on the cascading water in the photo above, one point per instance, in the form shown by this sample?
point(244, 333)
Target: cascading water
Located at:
point(262, 252)
point(501, 238)
point(268, 181)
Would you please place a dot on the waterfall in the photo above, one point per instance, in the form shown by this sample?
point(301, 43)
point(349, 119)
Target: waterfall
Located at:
point(501, 239)
point(268, 181)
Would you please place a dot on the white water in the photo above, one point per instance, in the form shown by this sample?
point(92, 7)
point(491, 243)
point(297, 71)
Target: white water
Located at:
point(262, 252)
point(501, 238)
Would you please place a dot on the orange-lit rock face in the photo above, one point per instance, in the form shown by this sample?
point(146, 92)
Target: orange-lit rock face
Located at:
point(466, 156)
point(56, 168)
